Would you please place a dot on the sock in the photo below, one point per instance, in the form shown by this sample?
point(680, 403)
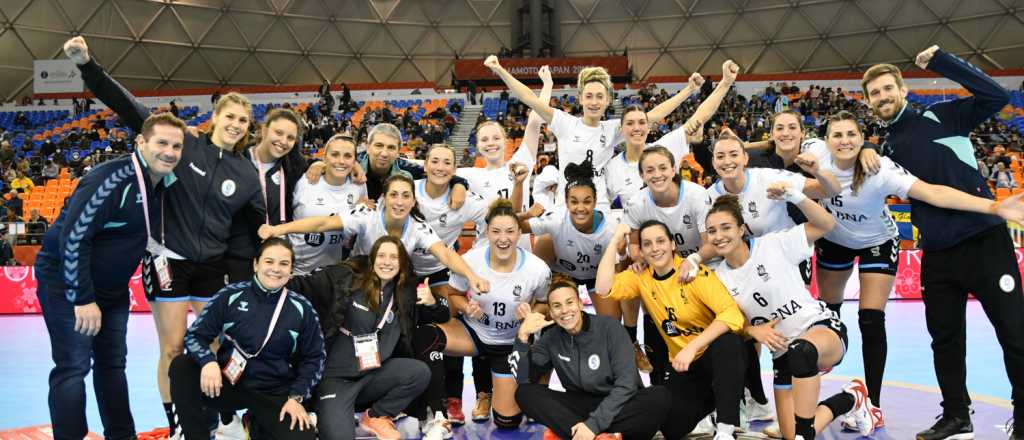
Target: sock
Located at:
point(428, 344)
point(172, 422)
point(835, 308)
point(632, 332)
point(453, 368)
point(839, 404)
point(874, 349)
point(805, 427)
point(482, 375)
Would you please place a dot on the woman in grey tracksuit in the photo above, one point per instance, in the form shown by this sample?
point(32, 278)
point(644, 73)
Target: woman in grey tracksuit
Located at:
point(593, 357)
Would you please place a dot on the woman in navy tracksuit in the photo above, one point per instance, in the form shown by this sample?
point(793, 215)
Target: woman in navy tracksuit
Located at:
point(271, 334)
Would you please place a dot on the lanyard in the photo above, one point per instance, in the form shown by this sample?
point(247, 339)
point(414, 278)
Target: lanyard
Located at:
point(145, 199)
point(263, 186)
point(270, 330)
point(383, 317)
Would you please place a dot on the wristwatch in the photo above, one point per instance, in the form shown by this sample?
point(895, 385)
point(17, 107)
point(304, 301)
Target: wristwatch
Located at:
point(297, 398)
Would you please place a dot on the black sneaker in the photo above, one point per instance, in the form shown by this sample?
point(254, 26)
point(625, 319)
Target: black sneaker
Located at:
point(1013, 431)
point(948, 428)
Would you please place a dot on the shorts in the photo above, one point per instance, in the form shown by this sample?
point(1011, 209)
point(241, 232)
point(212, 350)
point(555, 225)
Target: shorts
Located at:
point(783, 374)
point(496, 355)
point(238, 269)
point(589, 283)
point(190, 281)
point(438, 278)
point(883, 258)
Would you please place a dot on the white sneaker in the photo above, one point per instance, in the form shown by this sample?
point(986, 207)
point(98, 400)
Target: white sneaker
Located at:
point(177, 435)
point(860, 414)
point(723, 436)
point(706, 427)
point(724, 432)
point(437, 428)
point(757, 411)
point(232, 431)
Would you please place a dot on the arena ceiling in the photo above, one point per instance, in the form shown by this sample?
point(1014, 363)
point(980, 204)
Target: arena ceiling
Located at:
point(151, 44)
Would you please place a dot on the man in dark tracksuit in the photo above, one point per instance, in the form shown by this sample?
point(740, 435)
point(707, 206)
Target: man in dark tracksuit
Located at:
point(963, 252)
point(83, 269)
point(598, 370)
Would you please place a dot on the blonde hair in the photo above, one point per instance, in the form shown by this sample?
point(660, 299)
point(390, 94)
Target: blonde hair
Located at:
point(234, 98)
point(877, 71)
point(594, 74)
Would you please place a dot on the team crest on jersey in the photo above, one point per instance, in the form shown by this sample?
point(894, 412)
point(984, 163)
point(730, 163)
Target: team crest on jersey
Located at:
point(228, 188)
point(597, 249)
point(517, 291)
point(276, 178)
point(594, 362)
point(443, 219)
point(351, 199)
point(762, 272)
point(603, 139)
point(687, 220)
point(682, 295)
point(752, 208)
point(315, 239)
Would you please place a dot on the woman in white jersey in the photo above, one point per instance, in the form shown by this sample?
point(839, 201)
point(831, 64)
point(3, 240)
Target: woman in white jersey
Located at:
point(803, 335)
point(588, 137)
point(864, 229)
point(487, 324)
point(335, 192)
point(580, 233)
point(397, 216)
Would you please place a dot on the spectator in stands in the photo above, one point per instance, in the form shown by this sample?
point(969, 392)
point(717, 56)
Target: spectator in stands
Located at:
point(22, 182)
point(16, 205)
point(471, 88)
point(999, 154)
point(1002, 177)
point(215, 97)
point(325, 89)
point(6, 153)
point(984, 169)
point(455, 106)
point(21, 119)
point(35, 227)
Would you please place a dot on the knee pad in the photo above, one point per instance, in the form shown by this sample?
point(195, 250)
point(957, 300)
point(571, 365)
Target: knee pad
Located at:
point(507, 422)
point(429, 342)
point(803, 359)
point(872, 323)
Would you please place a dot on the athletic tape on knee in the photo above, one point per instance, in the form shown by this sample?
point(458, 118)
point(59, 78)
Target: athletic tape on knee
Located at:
point(429, 342)
point(803, 359)
point(508, 422)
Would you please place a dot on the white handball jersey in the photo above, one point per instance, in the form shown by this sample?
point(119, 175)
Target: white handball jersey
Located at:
point(321, 249)
point(863, 220)
point(528, 282)
point(368, 225)
point(547, 178)
point(769, 285)
point(577, 253)
point(623, 177)
point(817, 147)
point(498, 183)
point(685, 220)
point(447, 224)
point(761, 214)
point(577, 142)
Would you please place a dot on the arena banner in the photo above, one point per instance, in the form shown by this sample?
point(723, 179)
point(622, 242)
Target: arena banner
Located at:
point(18, 291)
point(525, 69)
point(56, 76)
point(900, 213)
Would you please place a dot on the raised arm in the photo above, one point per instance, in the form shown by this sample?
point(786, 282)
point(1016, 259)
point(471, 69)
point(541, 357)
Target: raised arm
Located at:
point(709, 106)
point(819, 221)
point(106, 89)
point(988, 97)
point(531, 140)
point(662, 110)
point(1011, 208)
point(519, 89)
point(304, 226)
point(605, 278)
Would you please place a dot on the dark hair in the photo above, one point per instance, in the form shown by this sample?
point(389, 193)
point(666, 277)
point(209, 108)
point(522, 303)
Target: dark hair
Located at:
point(775, 117)
point(579, 174)
point(730, 204)
point(729, 137)
point(858, 170)
point(632, 108)
point(161, 119)
point(275, 241)
point(415, 211)
point(370, 284)
point(441, 145)
point(340, 137)
point(283, 113)
point(499, 208)
point(655, 224)
point(562, 281)
point(658, 149)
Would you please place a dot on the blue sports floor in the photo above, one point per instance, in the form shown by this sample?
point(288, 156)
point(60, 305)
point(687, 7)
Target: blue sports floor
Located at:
point(910, 398)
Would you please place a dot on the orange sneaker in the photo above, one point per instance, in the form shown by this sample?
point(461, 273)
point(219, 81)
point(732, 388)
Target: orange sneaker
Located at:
point(381, 427)
point(455, 415)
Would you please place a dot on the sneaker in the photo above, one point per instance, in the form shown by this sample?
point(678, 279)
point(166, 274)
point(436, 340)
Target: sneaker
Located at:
point(437, 428)
point(178, 434)
point(1011, 430)
point(722, 432)
point(642, 363)
point(550, 435)
point(381, 427)
point(455, 415)
point(482, 411)
point(609, 436)
point(948, 428)
point(231, 431)
point(757, 412)
point(876, 414)
point(860, 420)
point(772, 431)
point(706, 427)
